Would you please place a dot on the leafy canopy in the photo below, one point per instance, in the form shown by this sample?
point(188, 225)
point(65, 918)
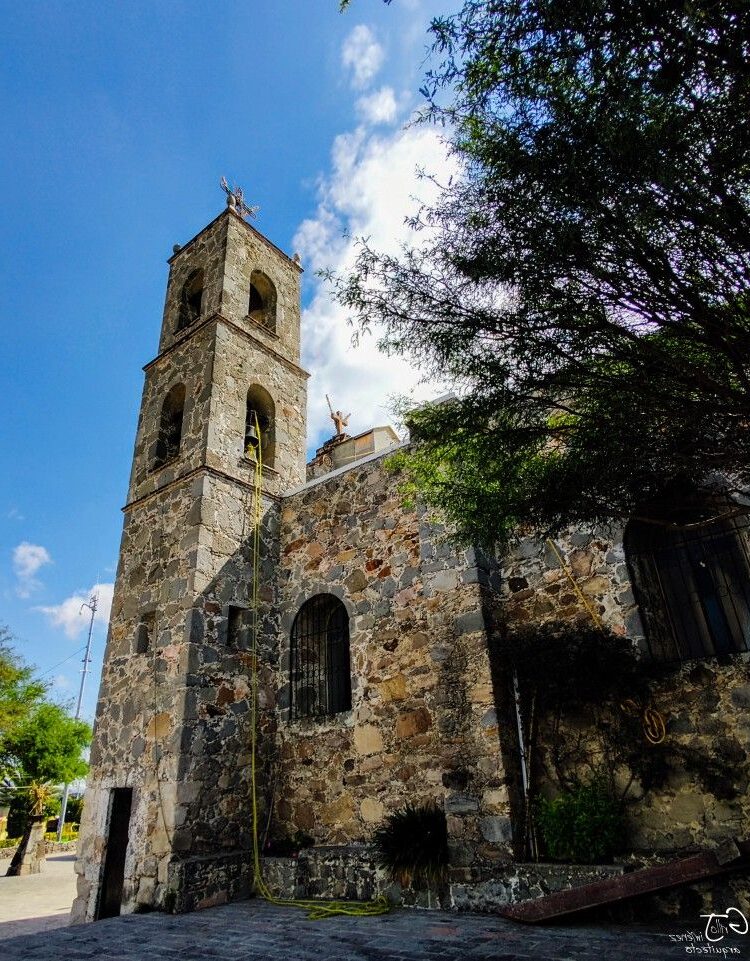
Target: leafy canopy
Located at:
point(39, 740)
point(19, 692)
point(585, 280)
point(47, 747)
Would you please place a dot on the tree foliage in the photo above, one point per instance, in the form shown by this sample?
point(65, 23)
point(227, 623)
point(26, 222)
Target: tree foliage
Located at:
point(39, 740)
point(585, 279)
point(19, 692)
point(48, 745)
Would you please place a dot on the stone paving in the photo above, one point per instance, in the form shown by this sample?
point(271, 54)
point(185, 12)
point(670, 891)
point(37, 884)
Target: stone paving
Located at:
point(37, 902)
point(256, 931)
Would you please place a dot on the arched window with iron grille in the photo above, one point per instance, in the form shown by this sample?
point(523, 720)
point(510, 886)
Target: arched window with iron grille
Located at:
point(320, 671)
point(690, 567)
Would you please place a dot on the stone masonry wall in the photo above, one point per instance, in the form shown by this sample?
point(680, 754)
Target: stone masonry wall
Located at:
point(190, 364)
point(137, 730)
point(247, 250)
point(704, 703)
point(238, 365)
point(172, 723)
point(208, 250)
point(422, 725)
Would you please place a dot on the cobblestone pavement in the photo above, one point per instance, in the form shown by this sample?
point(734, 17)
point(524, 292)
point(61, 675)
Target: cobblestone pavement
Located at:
point(255, 931)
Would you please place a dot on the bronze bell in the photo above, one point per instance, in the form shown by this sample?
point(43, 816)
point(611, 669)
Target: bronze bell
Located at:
point(252, 441)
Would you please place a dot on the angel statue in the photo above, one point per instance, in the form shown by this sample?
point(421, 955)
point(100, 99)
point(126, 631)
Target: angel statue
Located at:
point(236, 200)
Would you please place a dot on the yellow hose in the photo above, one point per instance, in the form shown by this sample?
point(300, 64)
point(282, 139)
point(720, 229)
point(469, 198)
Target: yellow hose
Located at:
point(316, 910)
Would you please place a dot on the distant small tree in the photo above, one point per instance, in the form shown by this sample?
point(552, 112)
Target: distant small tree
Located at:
point(41, 745)
point(48, 745)
point(47, 748)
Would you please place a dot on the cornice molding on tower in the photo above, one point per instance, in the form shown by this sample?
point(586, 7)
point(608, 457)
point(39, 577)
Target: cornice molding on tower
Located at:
point(216, 318)
point(228, 212)
point(189, 475)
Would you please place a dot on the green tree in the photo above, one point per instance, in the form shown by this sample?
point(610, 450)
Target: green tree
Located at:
point(19, 692)
point(41, 745)
point(47, 747)
point(585, 279)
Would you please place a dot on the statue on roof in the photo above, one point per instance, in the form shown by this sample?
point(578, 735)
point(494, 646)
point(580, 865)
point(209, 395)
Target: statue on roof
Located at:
point(339, 421)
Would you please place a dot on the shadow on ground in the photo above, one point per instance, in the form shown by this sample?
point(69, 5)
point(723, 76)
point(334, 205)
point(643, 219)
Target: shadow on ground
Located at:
point(262, 932)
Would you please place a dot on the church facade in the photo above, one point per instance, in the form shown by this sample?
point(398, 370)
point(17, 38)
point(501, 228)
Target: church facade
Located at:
point(377, 685)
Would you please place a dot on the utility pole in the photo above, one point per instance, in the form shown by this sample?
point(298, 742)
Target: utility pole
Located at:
point(91, 605)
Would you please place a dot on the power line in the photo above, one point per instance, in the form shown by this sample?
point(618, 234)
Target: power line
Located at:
point(68, 658)
point(92, 605)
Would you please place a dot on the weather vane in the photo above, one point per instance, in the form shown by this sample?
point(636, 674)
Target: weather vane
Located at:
point(236, 200)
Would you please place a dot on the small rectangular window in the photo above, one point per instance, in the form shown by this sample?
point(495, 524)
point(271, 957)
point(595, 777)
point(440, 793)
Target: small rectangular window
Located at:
point(144, 635)
point(236, 627)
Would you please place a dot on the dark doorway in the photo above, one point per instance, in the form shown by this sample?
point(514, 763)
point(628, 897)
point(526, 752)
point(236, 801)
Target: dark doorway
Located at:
point(110, 898)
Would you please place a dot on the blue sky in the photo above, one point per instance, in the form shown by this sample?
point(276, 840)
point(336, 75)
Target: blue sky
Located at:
point(118, 121)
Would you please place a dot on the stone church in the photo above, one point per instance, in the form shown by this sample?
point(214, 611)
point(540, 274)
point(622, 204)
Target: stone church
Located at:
point(376, 680)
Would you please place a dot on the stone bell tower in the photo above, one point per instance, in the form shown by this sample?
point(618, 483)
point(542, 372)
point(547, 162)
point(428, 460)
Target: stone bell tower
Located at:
point(167, 814)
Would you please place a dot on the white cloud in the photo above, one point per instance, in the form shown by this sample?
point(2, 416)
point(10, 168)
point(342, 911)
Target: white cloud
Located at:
point(362, 55)
point(27, 560)
point(378, 107)
point(73, 617)
point(371, 186)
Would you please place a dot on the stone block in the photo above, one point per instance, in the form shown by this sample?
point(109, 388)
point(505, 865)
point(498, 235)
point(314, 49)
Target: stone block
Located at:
point(159, 726)
point(443, 582)
point(413, 723)
point(688, 808)
point(368, 739)
point(372, 810)
point(496, 830)
point(469, 623)
point(461, 804)
point(356, 582)
point(393, 688)
point(338, 811)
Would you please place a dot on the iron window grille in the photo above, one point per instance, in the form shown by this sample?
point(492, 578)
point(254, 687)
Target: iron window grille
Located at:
point(320, 671)
point(691, 578)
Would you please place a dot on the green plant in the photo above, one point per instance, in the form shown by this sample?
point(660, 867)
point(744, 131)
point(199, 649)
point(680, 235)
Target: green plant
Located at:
point(19, 813)
point(412, 845)
point(74, 810)
point(67, 836)
point(584, 825)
